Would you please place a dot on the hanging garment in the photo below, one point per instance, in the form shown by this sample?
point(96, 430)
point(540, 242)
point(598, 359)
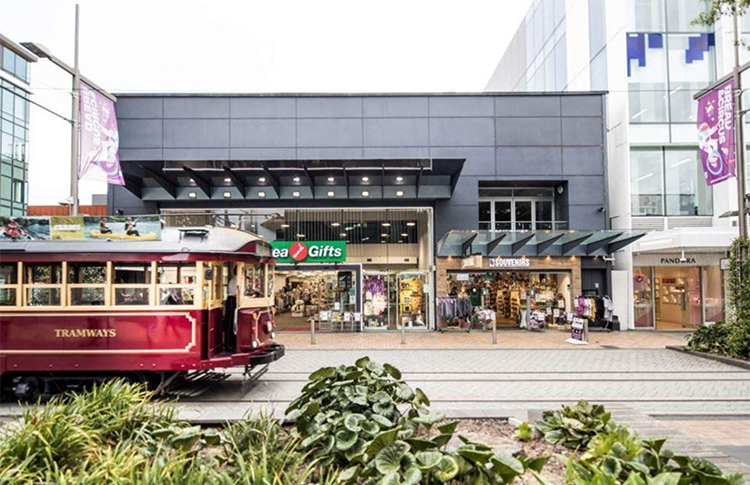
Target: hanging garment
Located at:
point(609, 308)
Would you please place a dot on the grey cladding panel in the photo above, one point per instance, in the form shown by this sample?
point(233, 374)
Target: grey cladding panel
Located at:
point(479, 160)
point(196, 153)
point(395, 132)
point(139, 108)
point(271, 107)
point(133, 154)
point(212, 107)
point(397, 152)
point(448, 106)
point(582, 105)
point(530, 161)
point(527, 106)
point(329, 133)
point(461, 132)
point(582, 131)
point(584, 190)
point(586, 217)
point(396, 107)
point(528, 131)
point(262, 154)
point(275, 133)
point(330, 153)
point(140, 133)
point(583, 160)
point(196, 133)
point(329, 107)
point(467, 191)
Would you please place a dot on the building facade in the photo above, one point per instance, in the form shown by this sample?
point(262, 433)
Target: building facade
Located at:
point(400, 202)
point(14, 126)
point(651, 60)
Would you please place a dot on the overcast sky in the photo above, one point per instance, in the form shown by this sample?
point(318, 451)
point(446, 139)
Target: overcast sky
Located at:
point(249, 46)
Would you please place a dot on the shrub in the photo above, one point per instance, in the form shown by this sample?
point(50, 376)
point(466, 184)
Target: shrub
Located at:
point(573, 427)
point(367, 421)
point(620, 456)
point(710, 338)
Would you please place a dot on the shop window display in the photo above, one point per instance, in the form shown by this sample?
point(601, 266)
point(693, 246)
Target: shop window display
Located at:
point(328, 298)
point(512, 299)
point(411, 300)
point(376, 299)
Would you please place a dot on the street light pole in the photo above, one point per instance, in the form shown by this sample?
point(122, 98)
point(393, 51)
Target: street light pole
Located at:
point(75, 125)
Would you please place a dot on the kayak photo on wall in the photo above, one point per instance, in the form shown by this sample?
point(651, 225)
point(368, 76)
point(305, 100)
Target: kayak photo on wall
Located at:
point(129, 228)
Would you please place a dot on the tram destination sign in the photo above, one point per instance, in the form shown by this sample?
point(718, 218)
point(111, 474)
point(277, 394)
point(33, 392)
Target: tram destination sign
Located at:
point(309, 251)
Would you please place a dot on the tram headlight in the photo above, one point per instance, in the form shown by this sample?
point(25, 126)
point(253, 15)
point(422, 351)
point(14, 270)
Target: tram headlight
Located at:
point(255, 344)
point(273, 335)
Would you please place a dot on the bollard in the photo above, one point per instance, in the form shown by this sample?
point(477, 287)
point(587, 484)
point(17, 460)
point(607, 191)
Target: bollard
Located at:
point(494, 332)
point(403, 333)
point(312, 332)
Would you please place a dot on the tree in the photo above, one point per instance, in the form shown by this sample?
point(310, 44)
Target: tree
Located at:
point(720, 8)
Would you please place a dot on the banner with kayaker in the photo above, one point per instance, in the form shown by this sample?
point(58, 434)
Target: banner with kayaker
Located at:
point(82, 228)
point(125, 228)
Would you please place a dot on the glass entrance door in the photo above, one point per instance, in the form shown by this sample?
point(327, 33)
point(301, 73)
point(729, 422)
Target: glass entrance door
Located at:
point(678, 301)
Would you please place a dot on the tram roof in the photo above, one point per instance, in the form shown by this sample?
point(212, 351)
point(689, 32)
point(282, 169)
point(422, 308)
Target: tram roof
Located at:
point(206, 239)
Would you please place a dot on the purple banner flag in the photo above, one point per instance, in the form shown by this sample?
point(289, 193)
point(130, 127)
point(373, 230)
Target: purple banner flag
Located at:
point(100, 138)
point(716, 133)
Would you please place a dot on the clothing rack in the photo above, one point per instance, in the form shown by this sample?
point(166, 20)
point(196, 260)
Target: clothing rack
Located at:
point(455, 311)
point(597, 309)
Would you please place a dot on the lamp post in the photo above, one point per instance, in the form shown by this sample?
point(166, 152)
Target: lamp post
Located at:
point(739, 130)
point(43, 52)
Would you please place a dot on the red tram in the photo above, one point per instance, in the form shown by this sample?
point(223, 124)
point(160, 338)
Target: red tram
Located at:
point(74, 311)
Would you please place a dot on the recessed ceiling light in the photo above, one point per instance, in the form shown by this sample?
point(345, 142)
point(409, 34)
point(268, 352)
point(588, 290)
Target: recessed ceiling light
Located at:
point(300, 235)
point(295, 194)
point(343, 234)
point(404, 234)
point(365, 179)
point(411, 224)
point(386, 224)
point(399, 179)
point(227, 195)
point(284, 226)
point(296, 179)
point(399, 193)
point(384, 235)
point(192, 181)
point(192, 195)
point(335, 224)
point(227, 180)
point(365, 193)
point(262, 180)
point(331, 193)
point(331, 179)
point(261, 194)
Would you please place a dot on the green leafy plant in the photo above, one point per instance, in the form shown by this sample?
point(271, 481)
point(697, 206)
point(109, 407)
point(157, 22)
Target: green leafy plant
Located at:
point(376, 428)
point(574, 426)
point(524, 432)
point(620, 456)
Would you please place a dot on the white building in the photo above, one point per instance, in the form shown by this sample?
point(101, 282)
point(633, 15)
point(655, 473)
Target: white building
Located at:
point(651, 61)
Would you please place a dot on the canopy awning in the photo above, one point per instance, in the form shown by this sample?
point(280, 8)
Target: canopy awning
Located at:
point(535, 243)
point(293, 180)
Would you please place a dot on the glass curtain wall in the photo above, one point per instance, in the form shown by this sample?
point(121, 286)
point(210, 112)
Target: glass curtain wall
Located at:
point(668, 181)
point(14, 125)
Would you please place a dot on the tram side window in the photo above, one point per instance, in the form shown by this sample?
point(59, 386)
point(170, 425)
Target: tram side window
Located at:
point(132, 283)
point(8, 284)
point(255, 277)
point(43, 284)
point(177, 283)
point(87, 283)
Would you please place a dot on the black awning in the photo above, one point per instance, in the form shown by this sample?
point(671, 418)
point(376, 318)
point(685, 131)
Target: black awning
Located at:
point(535, 243)
point(406, 179)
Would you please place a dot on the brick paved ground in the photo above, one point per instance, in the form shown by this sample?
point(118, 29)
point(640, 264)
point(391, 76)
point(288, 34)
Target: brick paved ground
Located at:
point(506, 339)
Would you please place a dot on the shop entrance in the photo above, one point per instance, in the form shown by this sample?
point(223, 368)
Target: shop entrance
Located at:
point(677, 297)
point(516, 298)
point(326, 296)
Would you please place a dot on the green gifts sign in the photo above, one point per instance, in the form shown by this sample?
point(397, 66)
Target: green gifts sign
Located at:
point(309, 251)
